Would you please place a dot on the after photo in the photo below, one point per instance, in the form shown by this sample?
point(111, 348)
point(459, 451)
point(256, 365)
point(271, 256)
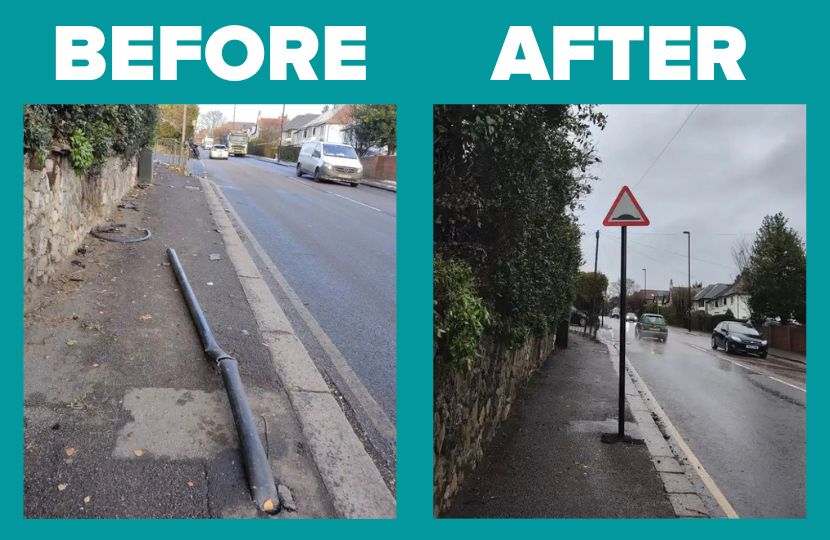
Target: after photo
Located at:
point(619, 311)
point(209, 311)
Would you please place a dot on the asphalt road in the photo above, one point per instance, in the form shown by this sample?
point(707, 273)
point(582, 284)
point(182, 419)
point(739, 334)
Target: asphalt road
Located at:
point(744, 419)
point(336, 247)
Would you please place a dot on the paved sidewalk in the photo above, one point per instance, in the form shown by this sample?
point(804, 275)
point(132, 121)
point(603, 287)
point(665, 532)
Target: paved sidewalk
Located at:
point(548, 460)
point(123, 416)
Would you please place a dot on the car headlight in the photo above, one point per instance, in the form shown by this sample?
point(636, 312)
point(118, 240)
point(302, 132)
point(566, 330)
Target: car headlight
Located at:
point(735, 338)
point(764, 343)
point(327, 166)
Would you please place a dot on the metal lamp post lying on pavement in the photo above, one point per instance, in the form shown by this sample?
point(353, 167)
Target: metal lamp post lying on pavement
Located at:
point(261, 481)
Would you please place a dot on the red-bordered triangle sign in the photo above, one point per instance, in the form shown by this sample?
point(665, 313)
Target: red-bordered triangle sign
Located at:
point(626, 211)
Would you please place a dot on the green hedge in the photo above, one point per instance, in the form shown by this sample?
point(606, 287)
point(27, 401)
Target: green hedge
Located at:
point(701, 322)
point(290, 153)
point(93, 133)
point(458, 315)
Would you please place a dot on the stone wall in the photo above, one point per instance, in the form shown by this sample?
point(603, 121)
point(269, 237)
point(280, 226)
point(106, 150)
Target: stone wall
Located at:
point(60, 208)
point(468, 409)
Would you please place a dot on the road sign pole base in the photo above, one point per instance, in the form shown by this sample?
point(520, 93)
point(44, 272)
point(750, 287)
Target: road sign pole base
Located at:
point(612, 438)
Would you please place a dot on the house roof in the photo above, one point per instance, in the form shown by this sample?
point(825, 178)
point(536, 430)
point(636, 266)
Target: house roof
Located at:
point(711, 292)
point(271, 121)
point(656, 292)
point(735, 288)
point(300, 121)
point(232, 126)
point(337, 115)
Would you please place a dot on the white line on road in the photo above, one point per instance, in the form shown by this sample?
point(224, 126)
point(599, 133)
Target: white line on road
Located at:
point(790, 385)
point(354, 201)
point(752, 369)
point(373, 411)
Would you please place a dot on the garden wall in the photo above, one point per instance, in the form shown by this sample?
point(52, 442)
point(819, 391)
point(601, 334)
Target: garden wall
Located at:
point(60, 207)
point(469, 407)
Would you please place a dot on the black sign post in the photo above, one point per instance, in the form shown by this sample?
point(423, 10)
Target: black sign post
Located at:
point(624, 212)
point(623, 322)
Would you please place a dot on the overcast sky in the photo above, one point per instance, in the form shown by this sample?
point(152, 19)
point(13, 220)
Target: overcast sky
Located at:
point(248, 113)
point(728, 167)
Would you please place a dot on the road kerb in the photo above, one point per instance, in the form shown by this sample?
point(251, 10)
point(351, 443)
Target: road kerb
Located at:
point(641, 398)
point(353, 482)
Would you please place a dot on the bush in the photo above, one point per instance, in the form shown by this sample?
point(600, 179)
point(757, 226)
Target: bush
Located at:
point(507, 182)
point(93, 132)
point(701, 322)
point(290, 153)
point(458, 315)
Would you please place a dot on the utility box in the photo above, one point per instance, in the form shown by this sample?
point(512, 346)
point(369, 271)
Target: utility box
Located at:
point(145, 166)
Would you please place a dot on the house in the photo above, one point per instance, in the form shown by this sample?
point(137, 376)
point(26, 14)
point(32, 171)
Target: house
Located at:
point(656, 296)
point(719, 298)
point(732, 299)
point(291, 133)
point(224, 129)
point(326, 127)
point(267, 130)
point(706, 298)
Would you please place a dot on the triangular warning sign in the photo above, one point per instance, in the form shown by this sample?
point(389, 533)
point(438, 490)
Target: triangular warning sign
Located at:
point(625, 211)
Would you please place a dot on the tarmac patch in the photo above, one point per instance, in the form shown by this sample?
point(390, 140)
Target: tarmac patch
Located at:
point(176, 424)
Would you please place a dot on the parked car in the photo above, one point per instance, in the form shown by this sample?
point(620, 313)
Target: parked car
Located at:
point(631, 317)
point(578, 317)
point(739, 337)
point(330, 161)
point(615, 313)
point(652, 326)
point(219, 151)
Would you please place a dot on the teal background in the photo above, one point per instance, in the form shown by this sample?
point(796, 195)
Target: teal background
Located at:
point(419, 54)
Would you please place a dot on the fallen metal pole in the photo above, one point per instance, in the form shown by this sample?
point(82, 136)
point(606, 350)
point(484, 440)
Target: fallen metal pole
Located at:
point(260, 479)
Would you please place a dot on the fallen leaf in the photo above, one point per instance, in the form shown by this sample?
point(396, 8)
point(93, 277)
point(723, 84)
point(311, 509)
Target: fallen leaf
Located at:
point(86, 500)
point(268, 506)
point(100, 313)
point(62, 487)
point(94, 365)
point(69, 451)
point(190, 484)
point(71, 342)
point(146, 317)
point(48, 356)
point(138, 453)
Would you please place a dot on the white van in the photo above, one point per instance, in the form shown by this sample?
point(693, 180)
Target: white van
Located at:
point(330, 161)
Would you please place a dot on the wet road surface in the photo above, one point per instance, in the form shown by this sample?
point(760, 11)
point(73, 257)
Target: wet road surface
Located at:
point(743, 418)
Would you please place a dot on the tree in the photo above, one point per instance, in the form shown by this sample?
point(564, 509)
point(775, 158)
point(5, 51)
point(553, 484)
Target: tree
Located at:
point(630, 287)
point(741, 252)
point(588, 296)
point(507, 180)
point(375, 126)
point(212, 120)
point(775, 277)
point(170, 121)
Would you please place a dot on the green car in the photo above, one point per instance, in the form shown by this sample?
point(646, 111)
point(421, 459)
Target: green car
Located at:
point(652, 326)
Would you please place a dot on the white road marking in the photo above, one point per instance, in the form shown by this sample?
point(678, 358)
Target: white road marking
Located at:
point(790, 385)
point(354, 201)
point(752, 369)
point(690, 457)
point(373, 410)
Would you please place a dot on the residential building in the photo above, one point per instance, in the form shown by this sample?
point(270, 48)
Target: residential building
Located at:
point(326, 127)
point(292, 132)
point(719, 298)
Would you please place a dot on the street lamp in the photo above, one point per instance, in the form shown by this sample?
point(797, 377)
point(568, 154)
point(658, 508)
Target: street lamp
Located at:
point(645, 287)
point(689, 237)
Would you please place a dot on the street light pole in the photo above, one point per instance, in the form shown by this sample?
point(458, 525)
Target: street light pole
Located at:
point(645, 287)
point(689, 237)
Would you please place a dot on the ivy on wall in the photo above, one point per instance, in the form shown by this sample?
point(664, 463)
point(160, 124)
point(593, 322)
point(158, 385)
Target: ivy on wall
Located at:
point(93, 133)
